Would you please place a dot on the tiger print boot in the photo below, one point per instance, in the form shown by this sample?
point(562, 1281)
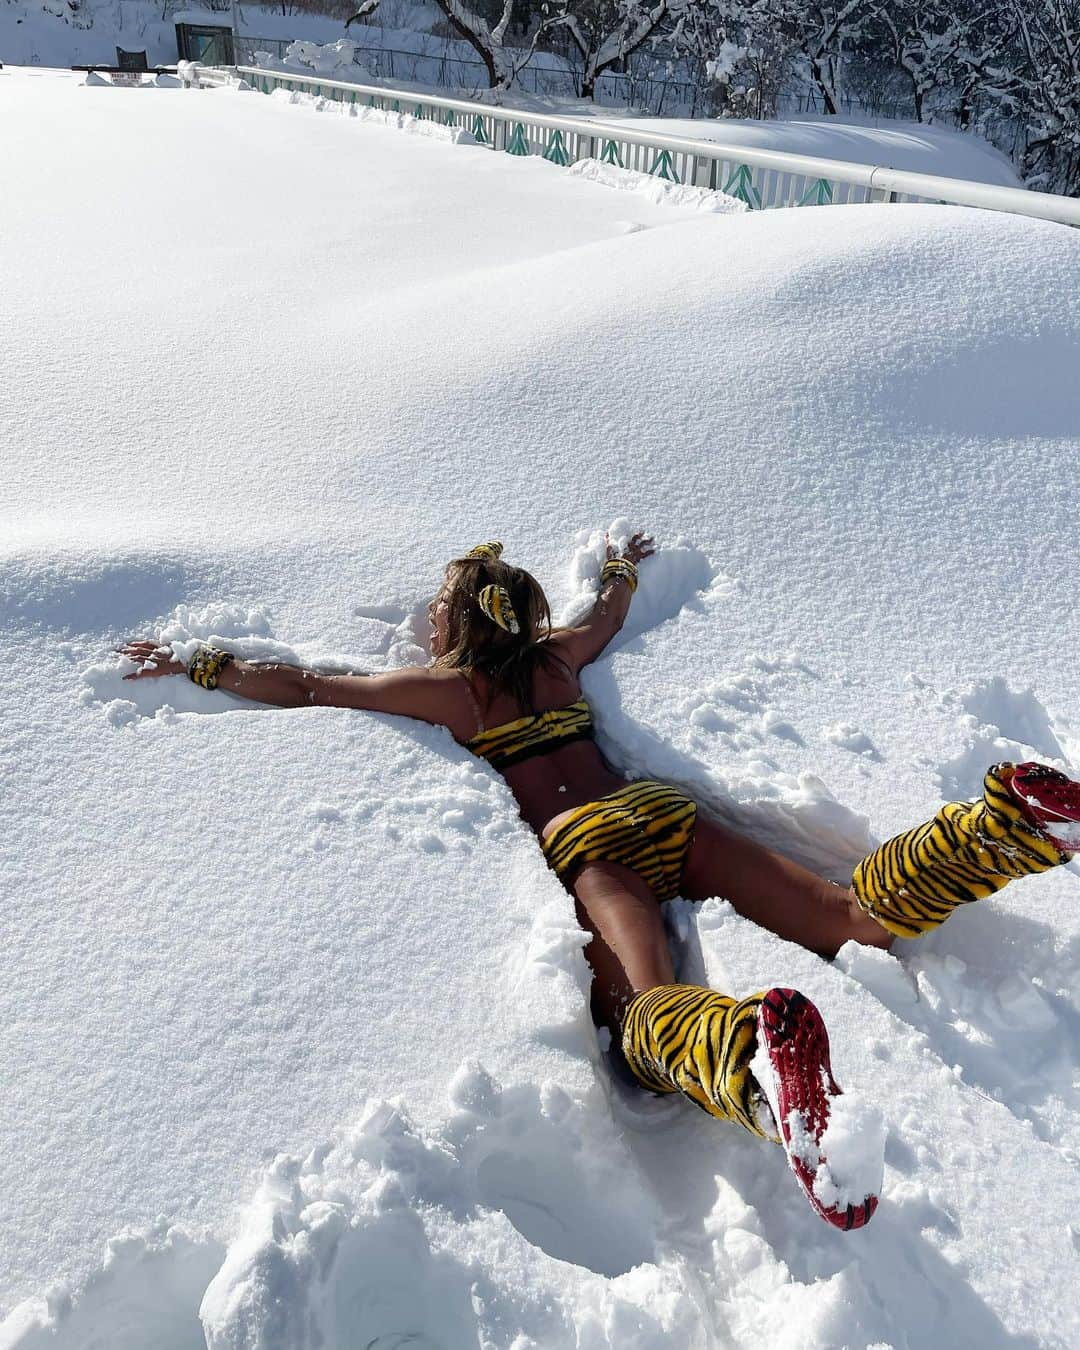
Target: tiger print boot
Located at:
point(969, 850)
point(681, 1038)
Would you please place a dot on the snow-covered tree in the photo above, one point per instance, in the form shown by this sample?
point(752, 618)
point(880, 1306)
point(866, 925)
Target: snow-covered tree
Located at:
point(501, 60)
point(1048, 37)
point(823, 33)
point(368, 7)
point(734, 53)
point(604, 33)
point(922, 39)
point(985, 65)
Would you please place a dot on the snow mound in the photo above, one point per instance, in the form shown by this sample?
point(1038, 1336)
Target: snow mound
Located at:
point(849, 737)
point(997, 723)
point(919, 147)
point(329, 58)
point(415, 126)
point(655, 189)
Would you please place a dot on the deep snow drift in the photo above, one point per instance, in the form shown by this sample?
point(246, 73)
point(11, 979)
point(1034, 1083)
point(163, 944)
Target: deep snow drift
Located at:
point(294, 1013)
point(914, 146)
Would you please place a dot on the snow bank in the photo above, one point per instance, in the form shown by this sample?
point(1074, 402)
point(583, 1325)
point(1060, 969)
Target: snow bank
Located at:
point(656, 190)
point(329, 58)
point(293, 1004)
point(918, 147)
point(414, 126)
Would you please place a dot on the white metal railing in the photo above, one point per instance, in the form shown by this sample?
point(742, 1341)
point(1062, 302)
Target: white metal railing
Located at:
point(763, 179)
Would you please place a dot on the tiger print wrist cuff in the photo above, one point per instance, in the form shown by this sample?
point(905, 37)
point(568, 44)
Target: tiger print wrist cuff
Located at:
point(206, 666)
point(620, 569)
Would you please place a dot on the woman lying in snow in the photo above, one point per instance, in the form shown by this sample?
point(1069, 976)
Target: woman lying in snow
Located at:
point(507, 686)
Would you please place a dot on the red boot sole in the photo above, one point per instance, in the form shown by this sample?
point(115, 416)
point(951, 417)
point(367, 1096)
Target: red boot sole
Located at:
point(794, 1036)
point(1046, 791)
point(1051, 801)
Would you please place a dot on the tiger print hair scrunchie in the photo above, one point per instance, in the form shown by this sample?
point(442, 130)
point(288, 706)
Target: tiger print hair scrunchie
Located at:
point(495, 600)
point(490, 552)
point(496, 603)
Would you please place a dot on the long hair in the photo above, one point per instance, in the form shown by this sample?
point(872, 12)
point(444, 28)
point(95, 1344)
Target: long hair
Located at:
point(475, 642)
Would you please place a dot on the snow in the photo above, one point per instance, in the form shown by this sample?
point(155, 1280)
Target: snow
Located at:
point(847, 1160)
point(918, 147)
point(853, 1147)
point(31, 35)
point(332, 58)
point(414, 126)
point(849, 737)
point(297, 1043)
point(656, 189)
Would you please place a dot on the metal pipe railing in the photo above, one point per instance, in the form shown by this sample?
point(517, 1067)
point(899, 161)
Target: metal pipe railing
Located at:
point(763, 179)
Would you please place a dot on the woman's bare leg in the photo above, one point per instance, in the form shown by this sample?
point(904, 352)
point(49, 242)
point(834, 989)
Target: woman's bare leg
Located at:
point(629, 949)
point(775, 892)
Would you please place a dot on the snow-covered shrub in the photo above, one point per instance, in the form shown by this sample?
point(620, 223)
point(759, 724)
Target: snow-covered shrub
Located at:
point(324, 60)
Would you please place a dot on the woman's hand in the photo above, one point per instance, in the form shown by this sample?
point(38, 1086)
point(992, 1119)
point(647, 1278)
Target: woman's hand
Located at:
point(152, 660)
point(640, 546)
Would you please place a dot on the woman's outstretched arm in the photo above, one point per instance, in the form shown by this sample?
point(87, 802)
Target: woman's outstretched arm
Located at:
point(414, 691)
point(584, 642)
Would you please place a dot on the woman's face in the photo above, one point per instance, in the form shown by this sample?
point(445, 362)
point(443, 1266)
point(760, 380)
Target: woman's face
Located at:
point(438, 617)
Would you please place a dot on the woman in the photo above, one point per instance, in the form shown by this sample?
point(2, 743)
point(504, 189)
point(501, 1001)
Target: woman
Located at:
point(507, 686)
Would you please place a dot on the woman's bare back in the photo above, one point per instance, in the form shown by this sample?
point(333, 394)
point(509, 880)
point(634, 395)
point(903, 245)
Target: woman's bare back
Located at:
point(547, 786)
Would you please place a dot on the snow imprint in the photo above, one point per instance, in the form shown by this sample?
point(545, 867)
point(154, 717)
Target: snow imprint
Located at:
point(299, 981)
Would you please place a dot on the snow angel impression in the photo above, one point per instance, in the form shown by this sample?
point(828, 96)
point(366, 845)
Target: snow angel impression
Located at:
point(507, 685)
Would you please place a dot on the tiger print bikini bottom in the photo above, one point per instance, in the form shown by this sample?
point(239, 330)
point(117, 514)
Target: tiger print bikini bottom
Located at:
point(645, 826)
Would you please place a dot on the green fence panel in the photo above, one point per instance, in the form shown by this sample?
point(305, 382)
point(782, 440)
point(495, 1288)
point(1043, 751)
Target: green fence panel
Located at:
point(664, 166)
point(610, 154)
point(819, 193)
point(741, 185)
point(556, 151)
point(517, 144)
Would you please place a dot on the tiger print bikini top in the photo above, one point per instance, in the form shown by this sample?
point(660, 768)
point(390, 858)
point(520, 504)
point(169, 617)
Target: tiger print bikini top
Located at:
point(538, 734)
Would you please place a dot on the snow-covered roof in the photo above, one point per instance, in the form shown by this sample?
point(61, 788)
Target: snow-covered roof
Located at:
point(204, 18)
